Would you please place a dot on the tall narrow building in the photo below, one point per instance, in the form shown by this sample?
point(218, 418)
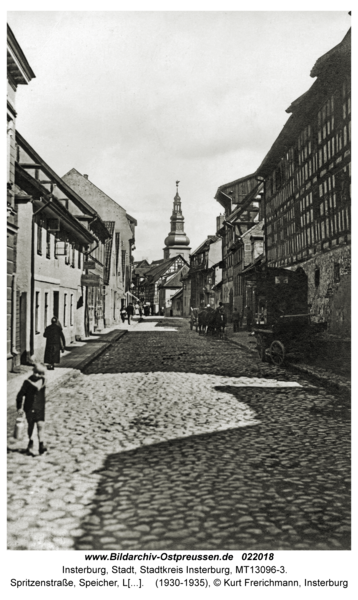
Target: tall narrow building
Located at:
point(177, 242)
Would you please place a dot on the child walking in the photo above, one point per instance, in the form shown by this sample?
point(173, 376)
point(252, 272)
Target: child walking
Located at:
point(33, 390)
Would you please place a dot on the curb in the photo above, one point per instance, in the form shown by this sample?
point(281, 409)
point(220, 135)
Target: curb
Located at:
point(322, 379)
point(75, 372)
point(89, 359)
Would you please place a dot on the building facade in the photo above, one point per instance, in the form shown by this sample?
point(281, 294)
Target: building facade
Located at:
point(248, 250)
point(307, 178)
point(56, 231)
point(19, 72)
point(241, 201)
point(117, 259)
point(158, 274)
point(169, 286)
point(203, 264)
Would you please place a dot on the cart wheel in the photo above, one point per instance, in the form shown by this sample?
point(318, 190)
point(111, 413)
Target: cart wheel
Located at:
point(261, 347)
point(278, 353)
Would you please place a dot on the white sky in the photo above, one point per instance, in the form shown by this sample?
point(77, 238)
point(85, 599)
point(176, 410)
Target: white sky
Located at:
point(138, 100)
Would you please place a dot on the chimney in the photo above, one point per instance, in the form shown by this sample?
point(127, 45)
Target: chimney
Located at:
point(85, 176)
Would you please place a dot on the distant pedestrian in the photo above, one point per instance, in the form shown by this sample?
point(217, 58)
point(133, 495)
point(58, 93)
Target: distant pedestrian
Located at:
point(235, 320)
point(55, 343)
point(130, 312)
point(140, 311)
point(249, 318)
point(123, 314)
point(241, 318)
point(33, 391)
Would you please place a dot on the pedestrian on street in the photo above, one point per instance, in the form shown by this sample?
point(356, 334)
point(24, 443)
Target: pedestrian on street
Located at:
point(130, 311)
point(140, 311)
point(248, 318)
point(220, 309)
point(123, 314)
point(33, 390)
point(235, 320)
point(55, 343)
point(241, 319)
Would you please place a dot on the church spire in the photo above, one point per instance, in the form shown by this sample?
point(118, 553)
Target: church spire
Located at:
point(177, 240)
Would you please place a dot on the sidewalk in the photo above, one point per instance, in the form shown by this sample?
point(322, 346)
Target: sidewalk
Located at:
point(331, 366)
point(75, 358)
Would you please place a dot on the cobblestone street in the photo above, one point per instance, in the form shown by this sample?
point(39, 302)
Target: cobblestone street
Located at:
point(178, 441)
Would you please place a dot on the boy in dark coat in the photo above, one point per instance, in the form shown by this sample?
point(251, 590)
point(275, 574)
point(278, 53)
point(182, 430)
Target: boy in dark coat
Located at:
point(33, 390)
point(55, 343)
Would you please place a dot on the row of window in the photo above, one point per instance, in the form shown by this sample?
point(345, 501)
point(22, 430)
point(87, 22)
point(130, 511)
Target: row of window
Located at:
point(239, 286)
point(48, 310)
point(306, 150)
point(57, 248)
point(314, 232)
point(324, 187)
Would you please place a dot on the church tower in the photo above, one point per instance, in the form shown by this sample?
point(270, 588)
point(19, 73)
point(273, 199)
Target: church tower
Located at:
point(177, 242)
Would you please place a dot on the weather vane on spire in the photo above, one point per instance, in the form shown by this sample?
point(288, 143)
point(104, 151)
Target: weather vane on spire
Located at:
point(177, 184)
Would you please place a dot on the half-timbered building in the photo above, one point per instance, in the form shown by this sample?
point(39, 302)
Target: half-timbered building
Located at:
point(307, 178)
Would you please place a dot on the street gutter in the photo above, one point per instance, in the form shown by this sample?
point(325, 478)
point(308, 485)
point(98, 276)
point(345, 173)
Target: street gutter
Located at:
point(325, 379)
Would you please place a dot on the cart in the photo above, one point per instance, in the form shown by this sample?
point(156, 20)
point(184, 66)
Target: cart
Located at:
point(285, 328)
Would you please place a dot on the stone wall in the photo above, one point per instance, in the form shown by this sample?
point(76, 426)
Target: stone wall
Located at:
point(330, 297)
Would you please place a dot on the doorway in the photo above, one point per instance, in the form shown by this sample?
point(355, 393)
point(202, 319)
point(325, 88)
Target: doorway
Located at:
point(23, 326)
point(56, 302)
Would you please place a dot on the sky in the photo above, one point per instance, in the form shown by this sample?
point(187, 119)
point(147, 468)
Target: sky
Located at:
point(138, 100)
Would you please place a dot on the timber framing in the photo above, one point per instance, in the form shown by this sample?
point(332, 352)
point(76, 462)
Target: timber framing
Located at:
point(96, 224)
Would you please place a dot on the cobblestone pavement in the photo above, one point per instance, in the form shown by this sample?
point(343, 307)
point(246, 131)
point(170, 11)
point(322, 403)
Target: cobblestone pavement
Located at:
point(177, 441)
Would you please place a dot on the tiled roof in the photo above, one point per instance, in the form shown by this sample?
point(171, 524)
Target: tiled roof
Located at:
point(108, 251)
point(336, 59)
point(175, 279)
point(342, 50)
point(177, 294)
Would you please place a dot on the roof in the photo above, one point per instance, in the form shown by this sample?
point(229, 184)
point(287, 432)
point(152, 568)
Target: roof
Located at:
point(177, 294)
point(252, 266)
point(108, 251)
point(327, 60)
point(296, 103)
point(99, 228)
point(159, 270)
point(50, 208)
point(132, 219)
point(175, 279)
point(240, 180)
point(301, 108)
point(18, 65)
point(205, 245)
point(73, 170)
point(141, 263)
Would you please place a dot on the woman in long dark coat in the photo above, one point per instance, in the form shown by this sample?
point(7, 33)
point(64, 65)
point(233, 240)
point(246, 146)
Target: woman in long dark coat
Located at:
point(55, 343)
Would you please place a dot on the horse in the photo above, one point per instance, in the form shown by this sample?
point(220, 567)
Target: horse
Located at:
point(212, 321)
point(204, 319)
point(219, 322)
